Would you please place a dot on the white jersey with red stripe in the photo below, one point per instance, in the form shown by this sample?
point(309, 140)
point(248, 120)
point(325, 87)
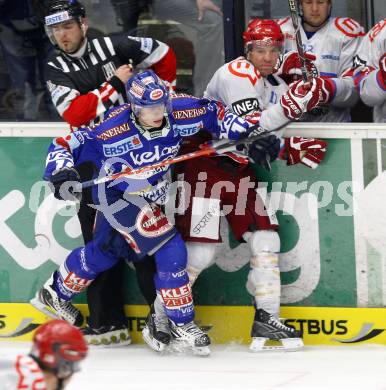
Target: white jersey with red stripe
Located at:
point(21, 372)
point(367, 75)
point(239, 86)
point(334, 45)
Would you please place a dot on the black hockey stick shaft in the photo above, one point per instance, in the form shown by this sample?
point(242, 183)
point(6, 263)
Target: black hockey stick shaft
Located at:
point(293, 6)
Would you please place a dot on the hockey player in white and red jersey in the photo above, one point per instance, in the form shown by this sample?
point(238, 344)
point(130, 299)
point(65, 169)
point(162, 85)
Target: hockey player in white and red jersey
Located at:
point(331, 44)
point(370, 74)
point(253, 89)
point(250, 87)
point(57, 350)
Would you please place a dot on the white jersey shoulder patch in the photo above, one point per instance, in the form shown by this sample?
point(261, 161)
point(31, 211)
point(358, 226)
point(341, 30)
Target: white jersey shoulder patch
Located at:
point(376, 30)
point(244, 69)
point(349, 27)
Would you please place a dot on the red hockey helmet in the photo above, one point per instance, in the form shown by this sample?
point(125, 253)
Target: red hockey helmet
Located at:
point(263, 32)
point(59, 347)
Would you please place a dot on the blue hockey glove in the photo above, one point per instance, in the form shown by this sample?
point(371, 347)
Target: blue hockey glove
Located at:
point(264, 150)
point(64, 181)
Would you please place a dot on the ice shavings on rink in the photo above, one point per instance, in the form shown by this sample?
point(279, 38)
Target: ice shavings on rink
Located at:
point(231, 367)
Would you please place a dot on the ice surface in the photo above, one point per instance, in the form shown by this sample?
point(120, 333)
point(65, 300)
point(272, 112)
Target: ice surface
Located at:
point(229, 367)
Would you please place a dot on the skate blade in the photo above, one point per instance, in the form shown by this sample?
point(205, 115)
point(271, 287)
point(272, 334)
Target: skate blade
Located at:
point(37, 304)
point(184, 348)
point(201, 351)
point(261, 344)
point(154, 344)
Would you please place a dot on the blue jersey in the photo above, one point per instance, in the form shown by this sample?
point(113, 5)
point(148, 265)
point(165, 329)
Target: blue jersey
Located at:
point(120, 142)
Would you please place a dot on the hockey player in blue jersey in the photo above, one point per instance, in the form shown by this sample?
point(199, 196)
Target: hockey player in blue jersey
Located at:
point(130, 222)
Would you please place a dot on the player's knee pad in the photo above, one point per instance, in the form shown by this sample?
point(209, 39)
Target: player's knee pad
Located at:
point(200, 256)
point(172, 282)
point(263, 282)
point(171, 257)
point(263, 241)
point(264, 276)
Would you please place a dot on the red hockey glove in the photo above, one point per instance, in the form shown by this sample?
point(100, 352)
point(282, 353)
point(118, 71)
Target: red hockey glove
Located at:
point(290, 69)
point(308, 151)
point(327, 90)
point(300, 98)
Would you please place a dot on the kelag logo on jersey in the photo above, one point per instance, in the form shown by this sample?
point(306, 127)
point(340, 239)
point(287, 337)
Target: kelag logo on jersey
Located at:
point(187, 130)
point(244, 106)
point(158, 154)
point(122, 147)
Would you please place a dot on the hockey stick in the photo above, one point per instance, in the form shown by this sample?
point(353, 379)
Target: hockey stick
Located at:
point(207, 149)
point(293, 6)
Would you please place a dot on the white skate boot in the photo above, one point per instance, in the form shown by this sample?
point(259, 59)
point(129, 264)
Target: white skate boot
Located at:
point(267, 327)
point(190, 336)
point(48, 302)
point(156, 332)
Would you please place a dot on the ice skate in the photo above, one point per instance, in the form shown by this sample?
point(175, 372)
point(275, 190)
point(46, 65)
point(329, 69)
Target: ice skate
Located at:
point(156, 332)
point(267, 329)
point(190, 336)
point(107, 336)
point(48, 302)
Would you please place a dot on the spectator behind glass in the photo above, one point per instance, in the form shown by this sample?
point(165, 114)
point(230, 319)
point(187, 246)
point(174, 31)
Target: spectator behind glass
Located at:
point(25, 48)
point(128, 11)
point(202, 22)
